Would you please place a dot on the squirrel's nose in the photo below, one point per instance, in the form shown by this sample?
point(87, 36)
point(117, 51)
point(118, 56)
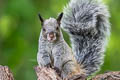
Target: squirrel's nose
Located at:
point(51, 35)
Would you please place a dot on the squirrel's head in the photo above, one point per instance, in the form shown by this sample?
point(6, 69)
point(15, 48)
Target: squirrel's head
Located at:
point(51, 28)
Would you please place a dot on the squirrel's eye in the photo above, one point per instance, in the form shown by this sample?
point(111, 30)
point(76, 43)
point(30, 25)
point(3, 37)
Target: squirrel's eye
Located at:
point(44, 29)
point(57, 28)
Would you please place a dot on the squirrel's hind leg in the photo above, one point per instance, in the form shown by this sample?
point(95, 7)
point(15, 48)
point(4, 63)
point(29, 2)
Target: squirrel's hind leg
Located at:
point(71, 70)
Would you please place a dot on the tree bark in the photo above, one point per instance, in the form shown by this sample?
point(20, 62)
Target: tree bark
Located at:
point(46, 74)
point(5, 73)
point(50, 74)
point(108, 76)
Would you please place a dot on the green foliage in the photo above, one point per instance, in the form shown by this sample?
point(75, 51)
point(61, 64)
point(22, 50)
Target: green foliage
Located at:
point(20, 29)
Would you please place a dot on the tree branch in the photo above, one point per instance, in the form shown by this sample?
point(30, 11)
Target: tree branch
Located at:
point(50, 74)
point(5, 73)
point(108, 76)
point(46, 74)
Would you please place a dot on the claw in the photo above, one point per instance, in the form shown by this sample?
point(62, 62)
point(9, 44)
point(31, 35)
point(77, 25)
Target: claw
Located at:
point(57, 71)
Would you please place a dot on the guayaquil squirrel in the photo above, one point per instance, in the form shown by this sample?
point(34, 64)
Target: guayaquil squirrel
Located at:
point(87, 24)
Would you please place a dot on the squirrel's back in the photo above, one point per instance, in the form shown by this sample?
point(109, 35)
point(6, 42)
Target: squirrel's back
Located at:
point(87, 23)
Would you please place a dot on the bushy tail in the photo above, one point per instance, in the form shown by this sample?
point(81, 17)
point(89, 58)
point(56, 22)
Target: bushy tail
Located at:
point(87, 23)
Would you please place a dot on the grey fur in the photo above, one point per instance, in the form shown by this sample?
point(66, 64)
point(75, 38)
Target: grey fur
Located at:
point(87, 23)
point(57, 54)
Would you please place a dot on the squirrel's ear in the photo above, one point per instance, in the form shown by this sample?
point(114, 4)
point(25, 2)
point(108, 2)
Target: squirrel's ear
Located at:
point(59, 18)
point(41, 19)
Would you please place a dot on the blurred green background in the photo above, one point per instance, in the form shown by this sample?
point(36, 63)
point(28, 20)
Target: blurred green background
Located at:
point(20, 28)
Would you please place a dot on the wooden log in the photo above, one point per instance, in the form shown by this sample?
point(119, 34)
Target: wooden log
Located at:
point(46, 74)
point(5, 73)
point(50, 74)
point(108, 76)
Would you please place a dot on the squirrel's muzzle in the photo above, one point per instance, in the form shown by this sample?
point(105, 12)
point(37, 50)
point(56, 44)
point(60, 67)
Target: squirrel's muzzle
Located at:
point(51, 36)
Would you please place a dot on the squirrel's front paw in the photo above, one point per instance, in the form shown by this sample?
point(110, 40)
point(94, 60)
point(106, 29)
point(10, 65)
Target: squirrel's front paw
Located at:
point(57, 71)
point(48, 65)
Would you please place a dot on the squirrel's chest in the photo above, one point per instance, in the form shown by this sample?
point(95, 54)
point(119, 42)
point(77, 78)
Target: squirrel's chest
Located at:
point(54, 50)
point(49, 48)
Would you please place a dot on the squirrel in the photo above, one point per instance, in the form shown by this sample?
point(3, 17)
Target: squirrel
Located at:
point(54, 52)
point(87, 24)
